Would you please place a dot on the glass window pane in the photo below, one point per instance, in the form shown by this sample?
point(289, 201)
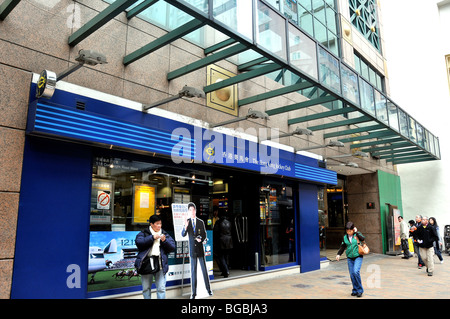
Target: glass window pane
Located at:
point(367, 98)
point(393, 115)
point(420, 139)
point(306, 3)
point(364, 70)
point(331, 20)
point(271, 32)
point(357, 64)
point(403, 120)
point(274, 3)
point(290, 10)
point(333, 43)
point(236, 15)
point(381, 108)
point(329, 70)
point(319, 11)
point(373, 79)
point(412, 129)
point(302, 52)
point(201, 5)
point(426, 141)
point(437, 147)
point(320, 33)
point(305, 20)
point(349, 84)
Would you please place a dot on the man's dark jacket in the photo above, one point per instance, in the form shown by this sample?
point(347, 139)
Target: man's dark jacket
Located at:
point(144, 242)
point(427, 234)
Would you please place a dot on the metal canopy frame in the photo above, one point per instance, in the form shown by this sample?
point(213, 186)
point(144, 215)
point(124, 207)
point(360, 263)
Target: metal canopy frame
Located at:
point(6, 7)
point(387, 134)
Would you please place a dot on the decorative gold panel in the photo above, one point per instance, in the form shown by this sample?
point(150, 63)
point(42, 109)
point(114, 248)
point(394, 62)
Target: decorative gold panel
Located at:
point(226, 99)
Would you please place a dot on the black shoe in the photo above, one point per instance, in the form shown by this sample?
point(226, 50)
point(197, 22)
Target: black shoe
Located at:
point(430, 273)
point(359, 294)
point(354, 293)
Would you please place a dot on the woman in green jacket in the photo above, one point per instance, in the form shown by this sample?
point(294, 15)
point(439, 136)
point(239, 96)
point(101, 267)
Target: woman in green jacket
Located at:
point(354, 259)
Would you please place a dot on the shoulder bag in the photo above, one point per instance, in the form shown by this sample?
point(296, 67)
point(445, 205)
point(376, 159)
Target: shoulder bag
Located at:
point(363, 249)
point(149, 265)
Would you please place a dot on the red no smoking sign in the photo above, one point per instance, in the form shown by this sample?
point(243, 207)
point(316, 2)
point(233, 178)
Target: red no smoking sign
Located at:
point(103, 200)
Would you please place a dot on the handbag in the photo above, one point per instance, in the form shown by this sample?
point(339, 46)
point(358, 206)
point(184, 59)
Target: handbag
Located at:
point(149, 265)
point(363, 249)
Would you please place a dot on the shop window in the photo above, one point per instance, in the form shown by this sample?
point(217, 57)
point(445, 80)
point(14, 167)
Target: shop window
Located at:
point(124, 195)
point(276, 225)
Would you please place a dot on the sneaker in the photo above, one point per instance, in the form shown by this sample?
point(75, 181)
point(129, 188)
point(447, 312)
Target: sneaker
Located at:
point(359, 294)
point(420, 266)
point(430, 273)
point(442, 261)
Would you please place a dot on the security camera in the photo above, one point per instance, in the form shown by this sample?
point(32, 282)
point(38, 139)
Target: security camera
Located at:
point(90, 57)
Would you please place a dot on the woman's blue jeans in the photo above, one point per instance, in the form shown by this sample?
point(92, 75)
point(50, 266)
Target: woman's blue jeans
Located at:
point(354, 267)
point(160, 283)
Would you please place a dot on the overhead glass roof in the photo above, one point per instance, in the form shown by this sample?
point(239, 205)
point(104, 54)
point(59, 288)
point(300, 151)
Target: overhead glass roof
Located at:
point(262, 41)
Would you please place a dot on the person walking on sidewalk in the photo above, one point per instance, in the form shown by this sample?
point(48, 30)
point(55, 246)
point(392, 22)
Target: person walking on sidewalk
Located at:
point(418, 223)
point(426, 235)
point(354, 259)
point(439, 243)
point(404, 234)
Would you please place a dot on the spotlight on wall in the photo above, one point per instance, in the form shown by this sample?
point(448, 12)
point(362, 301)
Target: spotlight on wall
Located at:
point(47, 79)
point(297, 131)
point(357, 153)
point(252, 114)
point(186, 91)
point(329, 144)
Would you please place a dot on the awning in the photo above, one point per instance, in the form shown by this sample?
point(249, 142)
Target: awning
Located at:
point(260, 40)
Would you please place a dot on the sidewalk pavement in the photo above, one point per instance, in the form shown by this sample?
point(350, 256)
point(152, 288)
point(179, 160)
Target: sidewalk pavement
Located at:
point(383, 277)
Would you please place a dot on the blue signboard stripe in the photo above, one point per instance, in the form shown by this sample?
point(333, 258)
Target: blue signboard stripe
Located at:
point(97, 120)
point(110, 131)
point(58, 124)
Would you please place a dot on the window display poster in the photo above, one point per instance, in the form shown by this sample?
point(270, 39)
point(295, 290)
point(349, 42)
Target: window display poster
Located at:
point(111, 260)
point(102, 201)
point(396, 213)
point(143, 203)
point(179, 215)
point(112, 255)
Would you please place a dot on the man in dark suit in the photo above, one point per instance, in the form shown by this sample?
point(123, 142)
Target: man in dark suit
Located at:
point(195, 228)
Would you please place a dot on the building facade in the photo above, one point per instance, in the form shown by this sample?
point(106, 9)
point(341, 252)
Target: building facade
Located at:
point(117, 110)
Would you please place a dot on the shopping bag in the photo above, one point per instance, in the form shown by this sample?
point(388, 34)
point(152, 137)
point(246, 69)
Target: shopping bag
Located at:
point(411, 245)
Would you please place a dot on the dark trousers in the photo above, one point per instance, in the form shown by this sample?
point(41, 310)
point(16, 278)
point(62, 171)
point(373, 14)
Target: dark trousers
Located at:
point(417, 250)
point(222, 260)
point(194, 274)
point(405, 247)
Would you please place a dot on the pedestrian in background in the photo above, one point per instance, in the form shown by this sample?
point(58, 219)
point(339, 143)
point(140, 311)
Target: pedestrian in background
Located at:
point(354, 259)
point(440, 242)
point(223, 242)
point(426, 235)
point(418, 223)
point(404, 234)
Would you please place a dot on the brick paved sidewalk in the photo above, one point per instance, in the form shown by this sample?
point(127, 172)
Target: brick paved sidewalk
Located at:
point(383, 276)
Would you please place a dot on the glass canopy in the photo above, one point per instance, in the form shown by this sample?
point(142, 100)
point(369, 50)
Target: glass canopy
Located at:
point(261, 40)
